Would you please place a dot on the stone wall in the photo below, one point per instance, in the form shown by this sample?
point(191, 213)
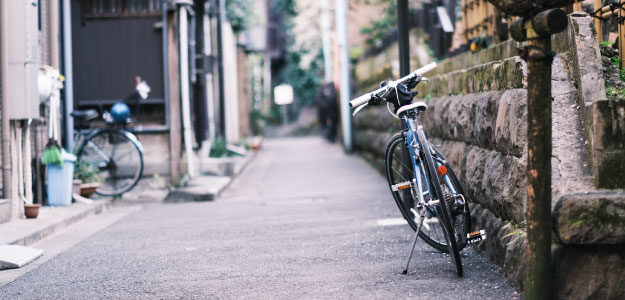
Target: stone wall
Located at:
point(477, 113)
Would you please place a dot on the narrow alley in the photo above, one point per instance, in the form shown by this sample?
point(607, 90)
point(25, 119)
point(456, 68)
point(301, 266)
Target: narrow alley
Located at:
point(303, 220)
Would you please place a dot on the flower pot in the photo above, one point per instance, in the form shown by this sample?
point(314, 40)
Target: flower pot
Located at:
point(31, 211)
point(87, 189)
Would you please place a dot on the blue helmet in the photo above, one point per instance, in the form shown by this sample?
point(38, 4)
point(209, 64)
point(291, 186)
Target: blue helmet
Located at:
point(120, 112)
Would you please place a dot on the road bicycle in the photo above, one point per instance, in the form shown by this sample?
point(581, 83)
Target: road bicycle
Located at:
point(113, 153)
point(424, 186)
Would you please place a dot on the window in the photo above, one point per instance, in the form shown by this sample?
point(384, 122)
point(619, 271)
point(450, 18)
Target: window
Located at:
point(120, 8)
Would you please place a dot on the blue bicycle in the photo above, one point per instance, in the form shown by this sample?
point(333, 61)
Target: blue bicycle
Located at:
point(424, 186)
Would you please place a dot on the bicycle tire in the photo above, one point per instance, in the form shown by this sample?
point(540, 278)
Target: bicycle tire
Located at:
point(461, 216)
point(442, 208)
point(118, 172)
point(431, 236)
point(395, 166)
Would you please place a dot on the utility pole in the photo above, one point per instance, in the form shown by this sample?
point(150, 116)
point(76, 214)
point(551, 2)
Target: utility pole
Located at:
point(403, 25)
point(326, 40)
point(539, 20)
point(341, 29)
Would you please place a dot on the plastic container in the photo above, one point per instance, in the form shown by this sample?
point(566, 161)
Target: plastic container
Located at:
point(60, 180)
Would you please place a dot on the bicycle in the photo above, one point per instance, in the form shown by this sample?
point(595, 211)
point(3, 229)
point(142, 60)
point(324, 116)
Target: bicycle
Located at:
point(113, 152)
point(424, 186)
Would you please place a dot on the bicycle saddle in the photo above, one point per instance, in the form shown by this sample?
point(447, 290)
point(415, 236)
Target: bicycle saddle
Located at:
point(85, 115)
point(419, 106)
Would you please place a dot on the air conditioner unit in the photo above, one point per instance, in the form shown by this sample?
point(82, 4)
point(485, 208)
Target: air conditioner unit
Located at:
point(23, 68)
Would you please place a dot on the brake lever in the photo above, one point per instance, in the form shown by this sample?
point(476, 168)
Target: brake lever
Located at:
point(359, 108)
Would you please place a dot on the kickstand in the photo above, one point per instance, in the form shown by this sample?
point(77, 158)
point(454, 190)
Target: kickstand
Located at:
point(416, 237)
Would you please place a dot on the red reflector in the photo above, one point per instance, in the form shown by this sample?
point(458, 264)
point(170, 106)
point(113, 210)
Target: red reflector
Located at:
point(442, 170)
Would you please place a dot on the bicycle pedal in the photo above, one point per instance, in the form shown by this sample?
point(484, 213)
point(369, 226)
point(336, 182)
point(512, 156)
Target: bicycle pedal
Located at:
point(400, 186)
point(476, 236)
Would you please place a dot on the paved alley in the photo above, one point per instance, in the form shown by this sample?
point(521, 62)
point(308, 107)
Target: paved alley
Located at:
point(301, 221)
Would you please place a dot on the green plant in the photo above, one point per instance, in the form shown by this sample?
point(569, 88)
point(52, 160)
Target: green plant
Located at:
point(85, 172)
point(218, 148)
point(616, 61)
point(239, 14)
point(607, 43)
point(377, 30)
point(516, 231)
point(615, 92)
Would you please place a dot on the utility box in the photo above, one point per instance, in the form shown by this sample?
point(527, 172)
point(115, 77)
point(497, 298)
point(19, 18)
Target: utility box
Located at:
point(23, 68)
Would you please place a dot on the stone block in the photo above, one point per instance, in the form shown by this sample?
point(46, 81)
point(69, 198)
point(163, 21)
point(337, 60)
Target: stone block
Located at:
point(590, 218)
point(609, 168)
point(511, 123)
point(468, 118)
point(588, 272)
point(609, 124)
point(608, 137)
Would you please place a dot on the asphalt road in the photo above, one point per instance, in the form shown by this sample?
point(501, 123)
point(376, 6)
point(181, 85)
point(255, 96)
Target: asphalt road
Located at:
point(302, 221)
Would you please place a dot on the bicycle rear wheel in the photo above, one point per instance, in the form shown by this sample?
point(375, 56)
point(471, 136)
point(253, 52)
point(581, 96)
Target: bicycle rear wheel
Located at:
point(443, 208)
point(116, 158)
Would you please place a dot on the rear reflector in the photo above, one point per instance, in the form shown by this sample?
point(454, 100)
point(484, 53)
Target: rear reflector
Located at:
point(442, 170)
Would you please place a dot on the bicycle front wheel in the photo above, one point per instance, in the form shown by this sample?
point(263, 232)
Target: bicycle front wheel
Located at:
point(115, 158)
point(399, 170)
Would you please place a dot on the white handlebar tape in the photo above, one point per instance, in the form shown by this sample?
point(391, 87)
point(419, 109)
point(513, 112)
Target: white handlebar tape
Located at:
point(360, 100)
point(366, 97)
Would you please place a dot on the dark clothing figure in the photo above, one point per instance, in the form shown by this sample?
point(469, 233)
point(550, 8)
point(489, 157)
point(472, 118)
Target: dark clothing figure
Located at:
point(327, 110)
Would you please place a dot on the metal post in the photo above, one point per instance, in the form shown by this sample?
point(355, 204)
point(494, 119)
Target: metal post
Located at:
point(341, 28)
point(221, 15)
point(69, 75)
point(403, 25)
point(4, 75)
point(538, 215)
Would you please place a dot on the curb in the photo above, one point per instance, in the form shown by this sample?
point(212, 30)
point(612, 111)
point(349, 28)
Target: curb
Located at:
point(44, 231)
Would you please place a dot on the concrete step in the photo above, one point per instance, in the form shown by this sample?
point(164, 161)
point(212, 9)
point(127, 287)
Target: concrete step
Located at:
point(16, 256)
point(202, 188)
point(50, 220)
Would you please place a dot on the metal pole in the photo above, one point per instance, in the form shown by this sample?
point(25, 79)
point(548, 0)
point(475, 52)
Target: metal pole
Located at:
point(4, 75)
point(208, 51)
point(403, 25)
point(69, 75)
point(538, 215)
point(326, 40)
point(165, 43)
point(220, 62)
point(341, 28)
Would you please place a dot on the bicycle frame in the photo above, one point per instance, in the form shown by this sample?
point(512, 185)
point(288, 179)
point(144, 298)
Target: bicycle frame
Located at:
point(413, 144)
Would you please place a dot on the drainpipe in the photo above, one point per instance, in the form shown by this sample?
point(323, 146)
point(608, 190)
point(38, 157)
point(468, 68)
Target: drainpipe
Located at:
point(54, 34)
point(184, 83)
point(69, 76)
point(4, 50)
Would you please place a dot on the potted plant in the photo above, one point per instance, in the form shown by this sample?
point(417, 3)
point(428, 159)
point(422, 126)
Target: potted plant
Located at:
point(31, 210)
point(88, 175)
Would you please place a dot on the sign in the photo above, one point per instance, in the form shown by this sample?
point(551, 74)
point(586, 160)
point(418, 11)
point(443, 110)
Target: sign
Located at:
point(283, 94)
